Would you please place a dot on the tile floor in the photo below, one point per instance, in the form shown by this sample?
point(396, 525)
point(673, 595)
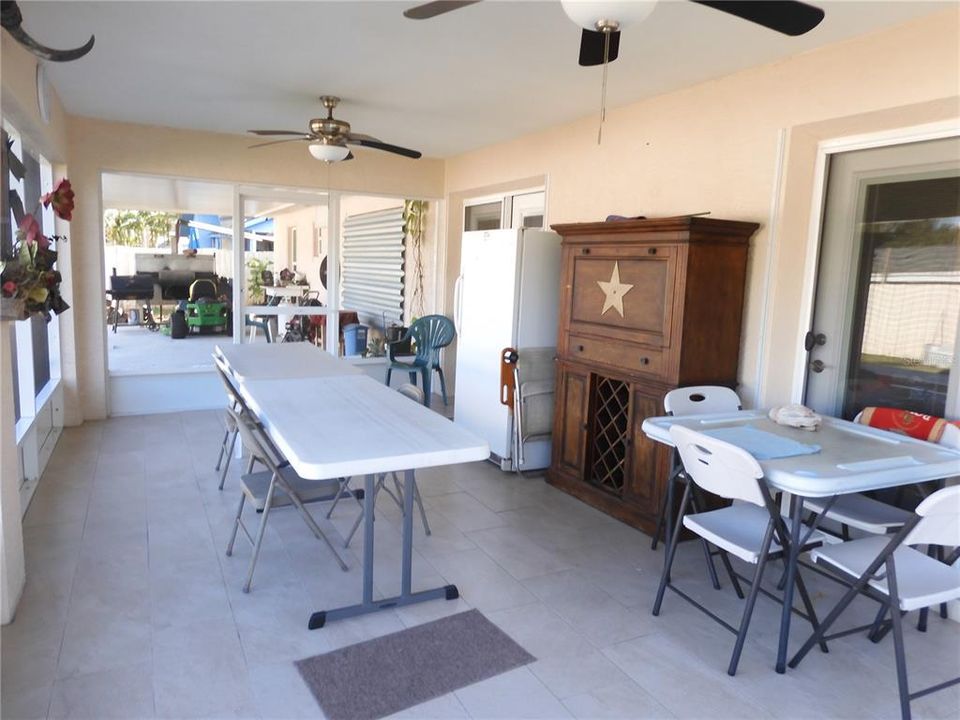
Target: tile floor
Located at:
point(132, 610)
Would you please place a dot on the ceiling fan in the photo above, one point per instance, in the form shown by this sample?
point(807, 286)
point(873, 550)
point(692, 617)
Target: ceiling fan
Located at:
point(11, 20)
point(602, 20)
point(329, 137)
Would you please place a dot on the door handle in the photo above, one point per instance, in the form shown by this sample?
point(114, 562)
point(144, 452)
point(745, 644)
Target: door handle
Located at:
point(812, 339)
point(457, 288)
point(817, 366)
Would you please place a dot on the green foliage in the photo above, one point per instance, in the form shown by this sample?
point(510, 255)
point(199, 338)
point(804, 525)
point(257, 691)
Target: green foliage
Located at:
point(255, 293)
point(415, 225)
point(138, 228)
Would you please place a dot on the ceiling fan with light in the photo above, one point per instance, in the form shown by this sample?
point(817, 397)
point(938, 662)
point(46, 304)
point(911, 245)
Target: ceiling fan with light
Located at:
point(602, 20)
point(329, 138)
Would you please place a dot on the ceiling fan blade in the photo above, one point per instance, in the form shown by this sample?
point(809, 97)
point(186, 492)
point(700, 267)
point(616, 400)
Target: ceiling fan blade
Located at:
point(784, 16)
point(367, 141)
point(349, 156)
point(591, 47)
point(432, 9)
point(277, 142)
point(277, 132)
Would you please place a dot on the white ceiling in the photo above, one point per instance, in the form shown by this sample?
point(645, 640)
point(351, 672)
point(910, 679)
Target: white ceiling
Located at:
point(483, 74)
point(141, 192)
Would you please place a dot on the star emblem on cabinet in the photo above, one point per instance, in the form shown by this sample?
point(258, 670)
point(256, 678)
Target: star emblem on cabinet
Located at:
point(613, 291)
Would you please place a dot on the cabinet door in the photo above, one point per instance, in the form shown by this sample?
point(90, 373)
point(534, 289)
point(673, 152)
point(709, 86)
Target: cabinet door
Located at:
point(646, 459)
point(570, 436)
point(623, 293)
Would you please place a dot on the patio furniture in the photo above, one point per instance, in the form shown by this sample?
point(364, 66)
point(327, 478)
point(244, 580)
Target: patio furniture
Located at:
point(323, 427)
point(530, 395)
point(698, 399)
point(261, 489)
point(431, 334)
point(229, 442)
point(848, 458)
point(869, 514)
point(752, 529)
point(899, 577)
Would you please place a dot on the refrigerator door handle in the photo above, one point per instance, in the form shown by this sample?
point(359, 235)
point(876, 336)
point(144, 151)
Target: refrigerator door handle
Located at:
point(457, 304)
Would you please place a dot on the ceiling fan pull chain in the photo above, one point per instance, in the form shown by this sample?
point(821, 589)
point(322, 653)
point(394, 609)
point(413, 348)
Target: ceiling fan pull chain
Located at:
point(603, 87)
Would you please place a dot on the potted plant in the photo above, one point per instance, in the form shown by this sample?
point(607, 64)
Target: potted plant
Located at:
point(29, 280)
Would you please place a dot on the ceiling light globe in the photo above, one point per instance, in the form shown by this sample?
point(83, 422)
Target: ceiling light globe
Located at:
point(615, 14)
point(329, 153)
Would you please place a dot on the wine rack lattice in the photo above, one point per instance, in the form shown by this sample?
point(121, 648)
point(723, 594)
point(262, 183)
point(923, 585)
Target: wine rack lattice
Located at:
point(609, 448)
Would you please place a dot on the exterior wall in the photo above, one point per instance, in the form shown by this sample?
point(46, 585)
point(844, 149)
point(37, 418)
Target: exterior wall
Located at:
point(304, 219)
point(18, 104)
point(717, 147)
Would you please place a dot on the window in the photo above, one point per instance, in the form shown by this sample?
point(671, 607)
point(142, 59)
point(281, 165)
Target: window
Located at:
point(317, 241)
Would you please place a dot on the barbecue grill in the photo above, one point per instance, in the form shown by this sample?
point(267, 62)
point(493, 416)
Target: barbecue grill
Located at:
point(132, 287)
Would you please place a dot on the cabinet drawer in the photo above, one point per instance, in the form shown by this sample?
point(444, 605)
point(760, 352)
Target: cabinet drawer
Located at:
point(617, 354)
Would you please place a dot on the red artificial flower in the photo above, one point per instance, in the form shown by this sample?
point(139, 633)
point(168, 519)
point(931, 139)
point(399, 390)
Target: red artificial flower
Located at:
point(62, 200)
point(9, 288)
point(31, 233)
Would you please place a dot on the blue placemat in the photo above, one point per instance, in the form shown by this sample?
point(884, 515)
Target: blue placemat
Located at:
point(761, 444)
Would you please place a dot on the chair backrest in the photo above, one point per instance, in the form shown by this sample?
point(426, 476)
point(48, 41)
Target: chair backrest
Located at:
point(431, 333)
point(411, 391)
point(719, 467)
point(939, 519)
point(701, 399)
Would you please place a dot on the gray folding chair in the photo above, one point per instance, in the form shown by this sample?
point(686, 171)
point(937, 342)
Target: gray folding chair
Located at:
point(751, 529)
point(899, 577)
point(229, 442)
point(261, 490)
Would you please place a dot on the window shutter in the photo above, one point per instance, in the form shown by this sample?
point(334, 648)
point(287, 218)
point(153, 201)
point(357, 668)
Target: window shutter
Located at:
point(372, 264)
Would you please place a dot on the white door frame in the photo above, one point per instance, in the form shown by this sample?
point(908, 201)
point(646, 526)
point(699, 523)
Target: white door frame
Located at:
point(826, 148)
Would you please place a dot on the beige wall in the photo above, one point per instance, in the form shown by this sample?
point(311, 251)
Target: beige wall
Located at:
point(715, 147)
point(96, 146)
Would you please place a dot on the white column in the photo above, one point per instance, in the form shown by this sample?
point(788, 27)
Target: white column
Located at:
point(12, 567)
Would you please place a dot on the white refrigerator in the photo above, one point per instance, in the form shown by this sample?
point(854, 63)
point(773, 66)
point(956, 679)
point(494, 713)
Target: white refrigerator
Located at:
point(507, 295)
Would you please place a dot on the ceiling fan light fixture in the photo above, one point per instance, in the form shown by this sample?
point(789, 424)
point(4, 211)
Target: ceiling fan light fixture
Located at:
point(329, 152)
point(607, 15)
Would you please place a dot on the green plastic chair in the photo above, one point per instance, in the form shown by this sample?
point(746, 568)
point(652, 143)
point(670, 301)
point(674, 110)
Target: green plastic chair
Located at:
point(430, 333)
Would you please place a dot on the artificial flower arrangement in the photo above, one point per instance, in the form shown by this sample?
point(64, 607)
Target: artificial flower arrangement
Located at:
point(29, 281)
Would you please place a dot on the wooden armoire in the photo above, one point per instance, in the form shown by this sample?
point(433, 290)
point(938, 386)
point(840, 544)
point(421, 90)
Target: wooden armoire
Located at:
point(646, 306)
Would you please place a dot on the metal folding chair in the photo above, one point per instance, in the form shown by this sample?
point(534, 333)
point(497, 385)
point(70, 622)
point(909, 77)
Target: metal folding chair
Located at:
point(751, 529)
point(229, 441)
point(899, 577)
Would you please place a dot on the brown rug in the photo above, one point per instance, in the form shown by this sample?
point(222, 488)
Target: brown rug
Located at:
point(382, 676)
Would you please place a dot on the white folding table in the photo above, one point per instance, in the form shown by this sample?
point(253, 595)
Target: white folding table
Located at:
point(334, 426)
point(852, 458)
point(281, 360)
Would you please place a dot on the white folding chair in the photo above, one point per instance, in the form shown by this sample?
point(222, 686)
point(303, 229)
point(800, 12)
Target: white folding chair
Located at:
point(751, 529)
point(873, 516)
point(898, 576)
point(261, 490)
point(416, 394)
point(694, 400)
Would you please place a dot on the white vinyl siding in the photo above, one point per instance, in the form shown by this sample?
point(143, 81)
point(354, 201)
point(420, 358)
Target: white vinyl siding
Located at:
point(372, 264)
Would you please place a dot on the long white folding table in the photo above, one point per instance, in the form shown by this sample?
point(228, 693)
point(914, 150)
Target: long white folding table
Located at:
point(334, 425)
point(852, 458)
point(281, 360)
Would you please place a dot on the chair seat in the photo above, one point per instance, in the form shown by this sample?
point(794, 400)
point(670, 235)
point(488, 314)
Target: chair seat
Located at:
point(862, 512)
point(922, 581)
point(739, 530)
point(414, 362)
point(255, 487)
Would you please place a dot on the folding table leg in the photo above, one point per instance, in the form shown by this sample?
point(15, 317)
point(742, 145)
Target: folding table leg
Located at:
point(406, 597)
point(792, 554)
